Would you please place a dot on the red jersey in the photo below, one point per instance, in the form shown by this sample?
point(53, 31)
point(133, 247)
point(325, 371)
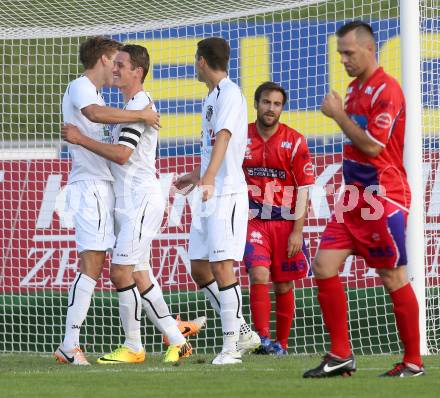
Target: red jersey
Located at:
point(274, 169)
point(378, 107)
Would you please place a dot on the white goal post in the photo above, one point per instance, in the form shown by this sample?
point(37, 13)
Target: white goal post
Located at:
point(290, 42)
point(413, 153)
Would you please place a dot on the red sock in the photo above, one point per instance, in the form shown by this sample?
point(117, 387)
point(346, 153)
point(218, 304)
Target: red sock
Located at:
point(406, 310)
point(260, 308)
point(285, 308)
point(331, 297)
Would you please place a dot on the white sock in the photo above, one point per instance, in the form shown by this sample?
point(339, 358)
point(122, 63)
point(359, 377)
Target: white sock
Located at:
point(211, 291)
point(212, 294)
point(130, 312)
point(230, 314)
point(157, 312)
point(80, 295)
point(245, 329)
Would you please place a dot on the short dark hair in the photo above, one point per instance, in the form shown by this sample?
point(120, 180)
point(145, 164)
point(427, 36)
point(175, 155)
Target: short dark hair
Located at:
point(216, 52)
point(94, 48)
point(357, 26)
point(139, 57)
point(269, 86)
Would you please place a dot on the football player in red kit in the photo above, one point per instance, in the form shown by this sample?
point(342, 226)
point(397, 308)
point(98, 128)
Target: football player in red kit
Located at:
point(278, 170)
point(370, 219)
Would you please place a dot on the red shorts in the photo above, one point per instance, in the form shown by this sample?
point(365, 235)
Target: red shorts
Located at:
point(380, 242)
point(266, 246)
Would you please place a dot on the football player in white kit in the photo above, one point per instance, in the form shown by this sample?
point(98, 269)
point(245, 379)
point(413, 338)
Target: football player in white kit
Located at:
point(90, 192)
point(139, 211)
point(218, 237)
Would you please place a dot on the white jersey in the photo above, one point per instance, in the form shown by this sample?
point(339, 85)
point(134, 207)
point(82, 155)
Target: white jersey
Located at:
point(140, 170)
point(225, 109)
point(86, 165)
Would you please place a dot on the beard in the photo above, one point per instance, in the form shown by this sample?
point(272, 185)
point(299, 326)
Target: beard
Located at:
point(266, 124)
point(352, 71)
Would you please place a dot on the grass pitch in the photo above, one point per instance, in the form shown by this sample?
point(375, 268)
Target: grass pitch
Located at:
point(26, 375)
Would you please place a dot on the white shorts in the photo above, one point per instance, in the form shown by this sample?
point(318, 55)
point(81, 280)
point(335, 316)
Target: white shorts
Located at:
point(138, 218)
point(218, 232)
point(91, 202)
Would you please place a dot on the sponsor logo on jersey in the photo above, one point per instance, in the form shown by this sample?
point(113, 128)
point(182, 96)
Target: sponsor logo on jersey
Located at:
point(286, 144)
point(266, 172)
point(106, 136)
point(349, 90)
point(256, 237)
point(360, 120)
point(375, 236)
point(248, 153)
point(369, 90)
point(383, 120)
point(209, 113)
point(309, 169)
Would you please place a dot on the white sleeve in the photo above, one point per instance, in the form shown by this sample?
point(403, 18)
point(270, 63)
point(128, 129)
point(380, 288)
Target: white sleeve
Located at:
point(229, 105)
point(82, 94)
point(131, 132)
point(130, 135)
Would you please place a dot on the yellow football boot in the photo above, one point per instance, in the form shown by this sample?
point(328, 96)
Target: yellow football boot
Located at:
point(122, 355)
point(176, 352)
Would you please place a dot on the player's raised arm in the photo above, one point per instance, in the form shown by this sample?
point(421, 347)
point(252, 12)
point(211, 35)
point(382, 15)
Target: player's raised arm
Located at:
point(332, 107)
point(104, 114)
point(116, 153)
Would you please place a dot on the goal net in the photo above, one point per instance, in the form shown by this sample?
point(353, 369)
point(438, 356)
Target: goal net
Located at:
point(430, 80)
point(290, 42)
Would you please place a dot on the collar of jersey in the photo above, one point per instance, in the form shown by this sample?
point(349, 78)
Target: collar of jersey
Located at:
point(376, 73)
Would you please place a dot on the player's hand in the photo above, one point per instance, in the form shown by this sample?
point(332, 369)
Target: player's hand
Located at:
point(71, 133)
point(151, 117)
point(294, 243)
point(207, 183)
point(186, 183)
point(332, 105)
